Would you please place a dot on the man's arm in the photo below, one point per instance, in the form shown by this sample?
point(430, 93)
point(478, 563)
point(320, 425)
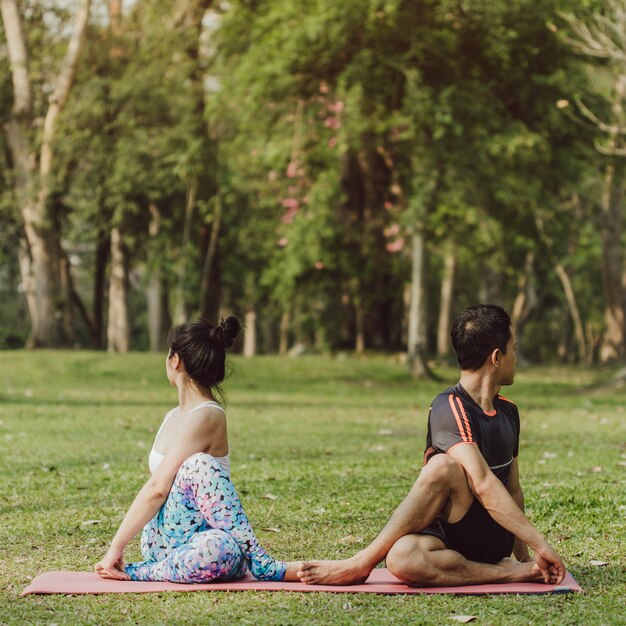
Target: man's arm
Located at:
point(520, 549)
point(494, 496)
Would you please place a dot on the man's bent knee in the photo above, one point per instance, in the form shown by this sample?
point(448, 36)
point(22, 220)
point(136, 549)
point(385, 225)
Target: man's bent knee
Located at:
point(442, 469)
point(408, 560)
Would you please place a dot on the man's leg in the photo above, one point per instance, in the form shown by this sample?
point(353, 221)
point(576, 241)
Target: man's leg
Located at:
point(441, 488)
point(424, 561)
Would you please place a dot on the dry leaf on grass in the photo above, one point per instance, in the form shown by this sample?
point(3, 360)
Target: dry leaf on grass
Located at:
point(464, 619)
point(91, 522)
point(271, 530)
point(269, 496)
point(598, 563)
point(385, 431)
point(350, 539)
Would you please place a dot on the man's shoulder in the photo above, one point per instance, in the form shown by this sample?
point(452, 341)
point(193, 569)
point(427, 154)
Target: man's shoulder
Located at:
point(445, 399)
point(503, 399)
point(508, 406)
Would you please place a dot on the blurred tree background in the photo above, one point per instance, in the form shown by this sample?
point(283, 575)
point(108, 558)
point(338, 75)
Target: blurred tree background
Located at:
point(343, 176)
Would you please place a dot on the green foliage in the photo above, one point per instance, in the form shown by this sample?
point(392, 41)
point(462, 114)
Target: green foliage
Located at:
point(329, 131)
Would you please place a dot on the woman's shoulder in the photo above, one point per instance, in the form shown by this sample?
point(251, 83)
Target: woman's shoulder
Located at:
point(210, 415)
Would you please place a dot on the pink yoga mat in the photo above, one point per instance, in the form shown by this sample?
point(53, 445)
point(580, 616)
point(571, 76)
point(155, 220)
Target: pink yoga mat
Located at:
point(380, 581)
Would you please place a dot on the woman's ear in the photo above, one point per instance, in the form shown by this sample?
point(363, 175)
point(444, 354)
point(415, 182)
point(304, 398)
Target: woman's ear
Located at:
point(175, 360)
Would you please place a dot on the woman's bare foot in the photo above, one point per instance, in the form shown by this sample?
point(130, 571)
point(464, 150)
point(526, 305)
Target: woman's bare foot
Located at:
point(292, 570)
point(347, 572)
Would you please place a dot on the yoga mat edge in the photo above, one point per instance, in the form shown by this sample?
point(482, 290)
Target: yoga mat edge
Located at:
point(380, 581)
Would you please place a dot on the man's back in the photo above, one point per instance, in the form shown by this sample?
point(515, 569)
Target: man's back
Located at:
point(455, 418)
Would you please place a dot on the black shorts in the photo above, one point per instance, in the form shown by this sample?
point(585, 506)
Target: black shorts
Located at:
point(477, 536)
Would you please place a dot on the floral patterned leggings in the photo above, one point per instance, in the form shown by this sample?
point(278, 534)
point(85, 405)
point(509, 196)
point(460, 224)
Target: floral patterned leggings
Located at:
point(201, 532)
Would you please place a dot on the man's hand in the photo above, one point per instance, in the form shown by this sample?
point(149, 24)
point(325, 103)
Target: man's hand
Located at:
point(550, 564)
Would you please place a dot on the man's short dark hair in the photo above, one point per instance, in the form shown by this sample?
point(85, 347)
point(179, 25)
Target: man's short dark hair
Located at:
point(477, 332)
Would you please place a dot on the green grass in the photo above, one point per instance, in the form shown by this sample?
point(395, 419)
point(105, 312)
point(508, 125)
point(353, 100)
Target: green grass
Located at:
point(338, 442)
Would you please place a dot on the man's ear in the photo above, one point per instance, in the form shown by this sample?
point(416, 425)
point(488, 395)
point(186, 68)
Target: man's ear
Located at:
point(496, 357)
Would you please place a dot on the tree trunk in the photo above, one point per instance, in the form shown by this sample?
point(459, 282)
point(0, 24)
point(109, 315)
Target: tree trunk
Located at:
point(40, 252)
point(180, 310)
point(526, 298)
point(283, 345)
point(359, 310)
point(158, 317)
point(613, 343)
point(156, 294)
point(102, 257)
point(579, 332)
point(249, 333)
point(207, 303)
point(416, 360)
point(26, 274)
point(118, 332)
point(445, 306)
point(490, 289)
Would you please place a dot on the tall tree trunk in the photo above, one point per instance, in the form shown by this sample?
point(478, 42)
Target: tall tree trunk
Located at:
point(180, 307)
point(158, 314)
point(156, 294)
point(249, 332)
point(445, 300)
point(613, 343)
point(118, 332)
point(526, 298)
point(579, 331)
point(359, 311)
point(41, 254)
point(490, 288)
point(102, 258)
point(416, 350)
point(207, 302)
point(283, 345)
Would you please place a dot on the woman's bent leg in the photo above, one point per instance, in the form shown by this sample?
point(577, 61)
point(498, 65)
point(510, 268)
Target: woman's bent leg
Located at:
point(176, 522)
point(204, 479)
point(209, 555)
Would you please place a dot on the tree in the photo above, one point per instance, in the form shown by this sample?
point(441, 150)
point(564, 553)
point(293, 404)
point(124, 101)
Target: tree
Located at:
point(45, 272)
point(603, 36)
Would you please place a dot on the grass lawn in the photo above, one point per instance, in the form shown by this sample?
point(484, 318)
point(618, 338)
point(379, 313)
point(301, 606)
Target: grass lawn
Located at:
point(338, 442)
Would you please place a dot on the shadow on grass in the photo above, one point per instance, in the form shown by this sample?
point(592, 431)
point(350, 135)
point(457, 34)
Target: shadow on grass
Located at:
point(599, 578)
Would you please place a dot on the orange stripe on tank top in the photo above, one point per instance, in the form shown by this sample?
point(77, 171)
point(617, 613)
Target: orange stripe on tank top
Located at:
point(458, 420)
point(465, 420)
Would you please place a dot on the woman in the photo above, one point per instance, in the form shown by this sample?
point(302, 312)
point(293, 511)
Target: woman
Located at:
point(194, 527)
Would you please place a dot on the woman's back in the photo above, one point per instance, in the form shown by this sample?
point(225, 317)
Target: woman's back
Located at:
point(176, 421)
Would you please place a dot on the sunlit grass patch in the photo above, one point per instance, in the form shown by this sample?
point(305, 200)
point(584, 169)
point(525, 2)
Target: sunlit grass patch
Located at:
point(337, 441)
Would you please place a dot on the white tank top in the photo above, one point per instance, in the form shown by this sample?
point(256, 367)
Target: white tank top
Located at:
point(155, 458)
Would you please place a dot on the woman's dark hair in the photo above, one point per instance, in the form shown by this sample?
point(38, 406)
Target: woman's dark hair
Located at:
point(202, 349)
point(477, 332)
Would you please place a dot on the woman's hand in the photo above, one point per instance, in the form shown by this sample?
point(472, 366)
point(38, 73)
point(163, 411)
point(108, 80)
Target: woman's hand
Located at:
point(112, 565)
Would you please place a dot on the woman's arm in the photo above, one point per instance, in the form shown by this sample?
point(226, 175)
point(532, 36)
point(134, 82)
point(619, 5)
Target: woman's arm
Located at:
point(195, 437)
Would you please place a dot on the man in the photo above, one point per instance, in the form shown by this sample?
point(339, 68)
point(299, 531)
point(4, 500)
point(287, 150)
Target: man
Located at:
point(464, 515)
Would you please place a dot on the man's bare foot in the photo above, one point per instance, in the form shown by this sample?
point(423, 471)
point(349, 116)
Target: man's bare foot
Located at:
point(347, 572)
point(517, 572)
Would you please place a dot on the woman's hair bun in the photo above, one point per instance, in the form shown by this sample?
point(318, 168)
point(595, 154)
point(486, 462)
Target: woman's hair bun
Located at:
point(219, 337)
point(230, 328)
